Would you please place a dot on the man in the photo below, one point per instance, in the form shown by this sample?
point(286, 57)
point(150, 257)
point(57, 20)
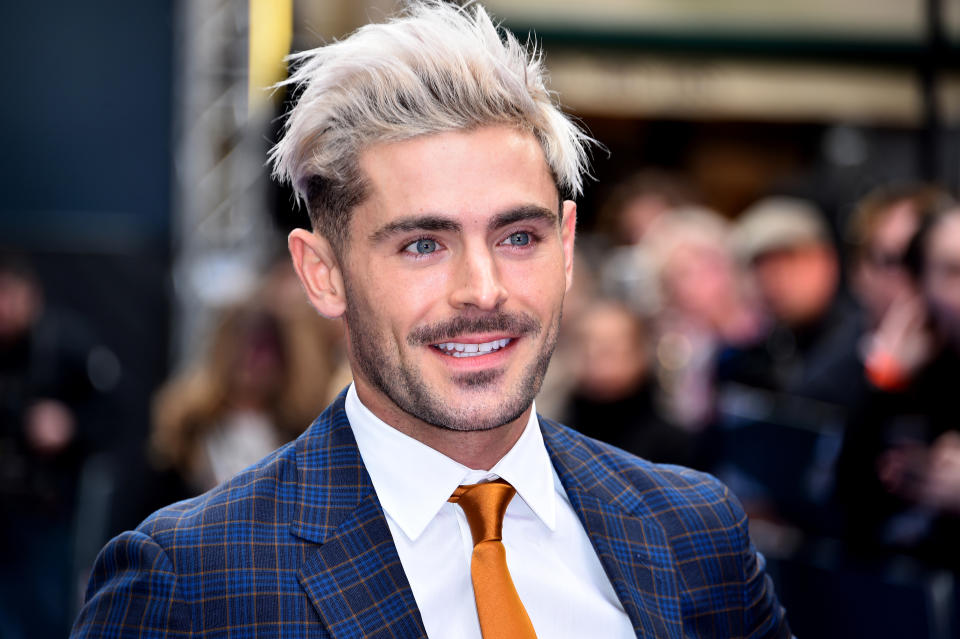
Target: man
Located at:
point(810, 349)
point(899, 472)
point(53, 390)
point(897, 342)
point(432, 160)
point(787, 393)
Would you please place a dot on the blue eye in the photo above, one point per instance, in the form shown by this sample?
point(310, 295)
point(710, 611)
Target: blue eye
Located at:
point(423, 246)
point(521, 238)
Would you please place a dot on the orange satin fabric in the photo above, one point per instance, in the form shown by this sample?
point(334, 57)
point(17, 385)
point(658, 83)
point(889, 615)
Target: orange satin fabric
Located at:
point(502, 615)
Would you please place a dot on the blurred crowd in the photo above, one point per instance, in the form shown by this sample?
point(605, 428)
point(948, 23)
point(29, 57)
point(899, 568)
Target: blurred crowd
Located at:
point(55, 384)
point(270, 366)
point(813, 368)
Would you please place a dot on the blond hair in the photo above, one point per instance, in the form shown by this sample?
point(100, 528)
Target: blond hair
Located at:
point(436, 68)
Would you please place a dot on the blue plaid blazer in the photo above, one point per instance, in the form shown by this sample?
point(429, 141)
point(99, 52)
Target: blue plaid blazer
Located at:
point(298, 546)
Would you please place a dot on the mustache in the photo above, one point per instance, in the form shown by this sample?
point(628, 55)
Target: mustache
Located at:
point(518, 324)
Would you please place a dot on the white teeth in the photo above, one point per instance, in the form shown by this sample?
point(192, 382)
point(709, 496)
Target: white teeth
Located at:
point(458, 349)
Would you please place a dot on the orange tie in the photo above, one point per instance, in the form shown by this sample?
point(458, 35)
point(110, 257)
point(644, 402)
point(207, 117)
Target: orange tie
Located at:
point(502, 615)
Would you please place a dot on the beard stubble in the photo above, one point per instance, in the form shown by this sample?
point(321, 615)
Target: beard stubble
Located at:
point(381, 363)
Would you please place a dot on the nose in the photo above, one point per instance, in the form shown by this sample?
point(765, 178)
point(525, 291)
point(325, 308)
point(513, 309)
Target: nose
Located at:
point(477, 281)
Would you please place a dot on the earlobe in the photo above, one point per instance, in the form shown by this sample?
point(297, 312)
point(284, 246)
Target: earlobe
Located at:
point(567, 233)
point(319, 271)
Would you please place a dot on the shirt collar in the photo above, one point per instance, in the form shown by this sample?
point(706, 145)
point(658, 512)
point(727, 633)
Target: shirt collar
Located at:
point(414, 491)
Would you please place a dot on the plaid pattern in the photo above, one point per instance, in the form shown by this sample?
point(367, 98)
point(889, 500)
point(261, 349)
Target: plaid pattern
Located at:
point(673, 541)
point(298, 546)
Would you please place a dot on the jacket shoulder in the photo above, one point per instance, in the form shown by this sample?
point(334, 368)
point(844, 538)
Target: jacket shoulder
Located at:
point(722, 579)
point(261, 495)
point(660, 489)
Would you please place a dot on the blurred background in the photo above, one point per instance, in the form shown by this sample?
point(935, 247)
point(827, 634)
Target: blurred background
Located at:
point(768, 279)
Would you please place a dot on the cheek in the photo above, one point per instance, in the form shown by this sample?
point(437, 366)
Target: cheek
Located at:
point(944, 292)
point(546, 295)
point(544, 278)
point(417, 296)
point(395, 296)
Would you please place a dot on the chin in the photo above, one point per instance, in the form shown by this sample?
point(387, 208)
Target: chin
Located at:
point(474, 406)
point(480, 420)
point(478, 382)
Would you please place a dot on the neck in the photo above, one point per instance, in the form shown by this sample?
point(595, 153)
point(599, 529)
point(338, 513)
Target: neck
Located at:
point(475, 449)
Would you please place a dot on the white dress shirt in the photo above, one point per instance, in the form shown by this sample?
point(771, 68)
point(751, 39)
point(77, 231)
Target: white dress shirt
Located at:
point(555, 569)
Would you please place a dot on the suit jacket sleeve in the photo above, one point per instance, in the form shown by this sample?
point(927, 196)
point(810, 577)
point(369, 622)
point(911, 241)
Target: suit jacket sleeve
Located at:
point(763, 615)
point(134, 591)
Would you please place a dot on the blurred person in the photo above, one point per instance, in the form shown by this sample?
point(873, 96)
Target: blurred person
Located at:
point(638, 201)
point(632, 208)
point(264, 376)
point(560, 380)
point(613, 386)
point(706, 307)
point(783, 399)
point(810, 347)
point(54, 376)
point(438, 172)
point(281, 292)
point(880, 232)
point(899, 467)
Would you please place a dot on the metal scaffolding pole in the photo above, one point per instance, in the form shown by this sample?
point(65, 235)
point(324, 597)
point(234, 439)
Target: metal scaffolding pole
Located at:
point(931, 158)
point(221, 226)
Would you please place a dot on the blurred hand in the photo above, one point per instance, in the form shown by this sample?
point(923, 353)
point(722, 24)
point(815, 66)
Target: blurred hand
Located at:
point(50, 426)
point(941, 487)
point(902, 338)
point(926, 475)
point(902, 469)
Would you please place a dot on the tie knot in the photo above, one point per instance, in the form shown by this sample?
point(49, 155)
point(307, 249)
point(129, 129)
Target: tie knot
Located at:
point(484, 505)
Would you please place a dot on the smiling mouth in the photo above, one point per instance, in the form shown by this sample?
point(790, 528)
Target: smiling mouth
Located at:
point(462, 349)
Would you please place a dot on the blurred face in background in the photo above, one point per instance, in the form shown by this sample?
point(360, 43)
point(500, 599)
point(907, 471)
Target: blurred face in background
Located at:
point(941, 280)
point(699, 280)
point(879, 277)
point(258, 372)
point(20, 304)
point(797, 283)
point(612, 353)
point(637, 216)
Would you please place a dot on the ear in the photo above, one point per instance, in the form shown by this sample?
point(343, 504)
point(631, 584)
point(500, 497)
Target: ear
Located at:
point(319, 271)
point(567, 231)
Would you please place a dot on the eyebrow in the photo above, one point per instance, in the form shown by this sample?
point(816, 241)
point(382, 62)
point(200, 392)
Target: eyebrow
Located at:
point(415, 223)
point(529, 212)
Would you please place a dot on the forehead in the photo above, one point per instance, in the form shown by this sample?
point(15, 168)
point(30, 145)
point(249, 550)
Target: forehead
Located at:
point(896, 224)
point(457, 173)
point(945, 239)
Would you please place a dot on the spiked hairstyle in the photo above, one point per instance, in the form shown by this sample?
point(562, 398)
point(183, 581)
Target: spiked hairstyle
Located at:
point(437, 67)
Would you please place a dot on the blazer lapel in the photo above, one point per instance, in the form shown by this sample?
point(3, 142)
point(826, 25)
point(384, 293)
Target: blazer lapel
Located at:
point(633, 549)
point(351, 571)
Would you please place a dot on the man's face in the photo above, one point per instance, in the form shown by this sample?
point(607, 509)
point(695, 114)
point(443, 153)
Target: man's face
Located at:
point(611, 353)
point(879, 276)
point(797, 283)
point(455, 272)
